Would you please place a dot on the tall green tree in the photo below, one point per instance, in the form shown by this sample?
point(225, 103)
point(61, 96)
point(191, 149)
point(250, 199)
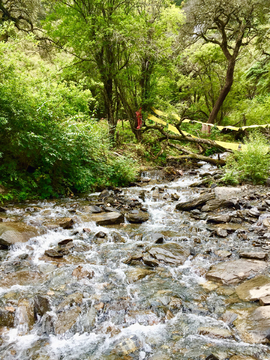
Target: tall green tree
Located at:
point(231, 24)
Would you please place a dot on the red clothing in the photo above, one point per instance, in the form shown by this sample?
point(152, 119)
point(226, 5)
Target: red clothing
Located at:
point(139, 118)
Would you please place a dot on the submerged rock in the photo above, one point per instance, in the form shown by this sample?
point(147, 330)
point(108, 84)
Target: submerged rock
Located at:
point(41, 305)
point(66, 320)
point(138, 274)
point(231, 272)
point(22, 277)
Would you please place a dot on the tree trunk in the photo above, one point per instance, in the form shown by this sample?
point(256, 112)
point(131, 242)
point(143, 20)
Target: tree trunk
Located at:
point(108, 97)
point(224, 92)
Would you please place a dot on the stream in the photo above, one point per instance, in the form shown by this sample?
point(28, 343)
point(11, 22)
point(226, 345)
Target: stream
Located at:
point(109, 292)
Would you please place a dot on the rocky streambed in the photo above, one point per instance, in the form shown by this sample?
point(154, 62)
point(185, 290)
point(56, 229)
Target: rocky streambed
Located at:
point(160, 270)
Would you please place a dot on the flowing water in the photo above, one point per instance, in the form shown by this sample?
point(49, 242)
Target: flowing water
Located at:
point(112, 311)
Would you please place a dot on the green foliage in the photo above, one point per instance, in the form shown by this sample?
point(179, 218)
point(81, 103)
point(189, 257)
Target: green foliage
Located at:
point(252, 165)
point(49, 144)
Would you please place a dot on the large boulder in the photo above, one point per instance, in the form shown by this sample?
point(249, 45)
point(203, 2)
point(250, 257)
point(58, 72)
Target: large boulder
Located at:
point(227, 193)
point(215, 204)
point(232, 272)
point(108, 218)
point(170, 253)
point(195, 203)
point(137, 216)
point(254, 289)
point(12, 233)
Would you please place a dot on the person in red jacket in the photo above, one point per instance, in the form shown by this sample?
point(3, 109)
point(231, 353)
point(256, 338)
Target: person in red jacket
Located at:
point(139, 118)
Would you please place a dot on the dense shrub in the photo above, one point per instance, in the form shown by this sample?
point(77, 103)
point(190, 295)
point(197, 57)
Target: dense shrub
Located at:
point(252, 165)
point(48, 143)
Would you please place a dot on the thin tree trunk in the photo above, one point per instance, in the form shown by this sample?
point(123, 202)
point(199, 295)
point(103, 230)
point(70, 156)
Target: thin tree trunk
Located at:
point(224, 91)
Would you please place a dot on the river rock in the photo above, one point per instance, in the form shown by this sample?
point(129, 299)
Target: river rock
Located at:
point(221, 232)
point(254, 289)
point(195, 203)
point(12, 233)
point(108, 218)
point(93, 209)
point(67, 223)
point(81, 273)
point(22, 277)
point(7, 317)
point(72, 299)
point(215, 204)
point(157, 238)
point(242, 357)
point(66, 320)
point(170, 253)
point(138, 274)
point(137, 216)
point(219, 333)
point(41, 305)
point(225, 218)
point(227, 193)
point(127, 346)
point(231, 272)
point(149, 261)
point(56, 252)
point(254, 255)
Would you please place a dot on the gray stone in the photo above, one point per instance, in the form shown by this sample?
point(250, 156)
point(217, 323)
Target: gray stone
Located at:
point(219, 219)
point(108, 218)
point(195, 203)
point(215, 204)
point(94, 209)
point(170, 253)
point(221, 233)
point(157, 238)
point(67, 224)
point(149, 261)
point(227, 193)
point(254, 255)
point(234, 271)
point(12, 233)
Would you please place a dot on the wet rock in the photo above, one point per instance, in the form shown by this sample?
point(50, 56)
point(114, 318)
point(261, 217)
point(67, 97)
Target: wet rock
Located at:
point(137, 217)
point(88, 319)
point(254, 289)
point(219, 219)
point(94, 209)
point(56, 252)
point(227, 193)
point(254, 212)
point(221, 233)
point(67, 224)
point(223, 253)
point(108, 218)
point(215, 204)
point(265, 300)
point(64, 242)
point(234, 271)
point(261, 323)
point(209, 286)
point(66, 319)
point(100, 235)
point(81, 273)
point(41, 305)
point(12, 233)
point(72, 299)
point(48, 321)
point(149, 261)
point(22, 277)
point(157, 238)
point(137, 274)
point(219, 333)
point(2, 209)
point(254, 255)
point(7, 317)
point(229, 317)
point(195, 203)
point(128, 346)
point(242, 357)
point(170, 253)
point(25, 315)
point(117, 238)
point(212, 357)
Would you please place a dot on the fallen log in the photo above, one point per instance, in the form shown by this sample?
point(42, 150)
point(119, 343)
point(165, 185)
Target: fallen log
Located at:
point(218, 162)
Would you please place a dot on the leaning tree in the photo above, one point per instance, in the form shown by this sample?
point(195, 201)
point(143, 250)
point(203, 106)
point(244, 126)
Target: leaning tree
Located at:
point(230, 24)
